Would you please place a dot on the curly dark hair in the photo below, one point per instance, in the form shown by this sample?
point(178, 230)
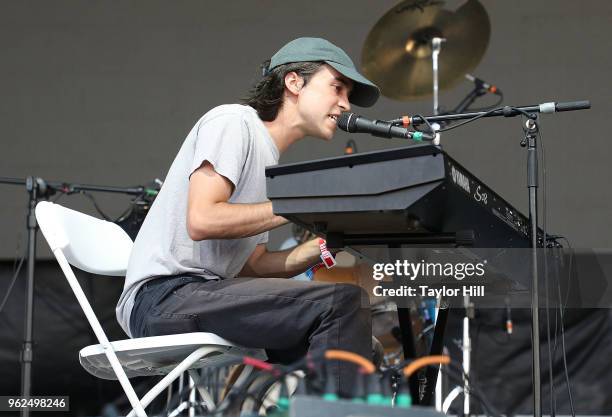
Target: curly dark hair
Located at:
point(267, 95)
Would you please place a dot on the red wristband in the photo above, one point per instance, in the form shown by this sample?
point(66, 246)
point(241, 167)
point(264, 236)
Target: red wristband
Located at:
point(326, 256)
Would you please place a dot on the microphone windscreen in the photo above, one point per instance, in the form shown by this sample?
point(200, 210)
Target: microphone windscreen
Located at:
point(344, 121)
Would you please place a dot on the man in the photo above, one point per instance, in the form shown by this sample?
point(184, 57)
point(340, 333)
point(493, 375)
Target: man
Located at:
point(200, 262)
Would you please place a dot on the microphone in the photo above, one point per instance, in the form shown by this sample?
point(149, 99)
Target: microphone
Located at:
point(490, 88)
point(352, 123)
point(555, 107)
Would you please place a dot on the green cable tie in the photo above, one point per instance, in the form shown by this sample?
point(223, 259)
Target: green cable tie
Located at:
point(417, 136)
point(403, 401)
point(283, 403)
point(375, 399)
point(330, 396)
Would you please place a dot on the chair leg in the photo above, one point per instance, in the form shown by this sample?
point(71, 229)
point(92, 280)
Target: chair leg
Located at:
point(183, 405)
point(174, 374)
point(177, 411)
point(207, 398)
point(191, 396)
point(169, 395)
point(236, 382)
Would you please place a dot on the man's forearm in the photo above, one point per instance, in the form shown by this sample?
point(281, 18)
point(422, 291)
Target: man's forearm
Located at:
point(230, 221)
point(290, 262)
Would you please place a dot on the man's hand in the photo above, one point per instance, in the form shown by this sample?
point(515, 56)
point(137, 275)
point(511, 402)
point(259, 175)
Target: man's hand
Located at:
point(210, 216)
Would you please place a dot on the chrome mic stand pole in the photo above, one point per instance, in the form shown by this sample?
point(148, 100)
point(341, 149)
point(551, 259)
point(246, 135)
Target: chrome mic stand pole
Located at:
point(436, 44)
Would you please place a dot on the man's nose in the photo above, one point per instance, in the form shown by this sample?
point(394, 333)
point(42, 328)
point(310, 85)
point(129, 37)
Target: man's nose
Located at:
point(344, 103)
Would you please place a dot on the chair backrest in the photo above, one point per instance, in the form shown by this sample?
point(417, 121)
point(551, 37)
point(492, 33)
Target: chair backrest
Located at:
point(95, 246)
point(90, 244)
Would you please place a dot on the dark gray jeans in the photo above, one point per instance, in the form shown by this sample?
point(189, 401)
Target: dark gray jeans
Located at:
point(286, 317)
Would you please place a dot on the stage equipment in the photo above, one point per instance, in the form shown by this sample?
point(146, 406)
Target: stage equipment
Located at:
point(133, 218)
point(378, 198)
point(352, 123)
point(506, 111)
point(402, 195)
point(398, 51)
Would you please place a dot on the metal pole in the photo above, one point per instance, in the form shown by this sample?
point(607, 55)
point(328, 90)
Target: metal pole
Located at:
point(436, 44)
point(531, 128)
point(27, 351)
point(467, 351)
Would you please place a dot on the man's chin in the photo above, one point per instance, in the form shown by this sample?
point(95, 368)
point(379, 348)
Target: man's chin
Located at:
point(329, 135)
point(326, 136)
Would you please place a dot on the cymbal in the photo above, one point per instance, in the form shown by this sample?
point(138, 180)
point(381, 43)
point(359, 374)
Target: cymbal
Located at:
point(397, 52)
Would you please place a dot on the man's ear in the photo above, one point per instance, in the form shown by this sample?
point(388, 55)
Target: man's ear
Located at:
point(293, 82)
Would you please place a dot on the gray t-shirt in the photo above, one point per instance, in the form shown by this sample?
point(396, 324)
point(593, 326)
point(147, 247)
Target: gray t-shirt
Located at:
point(238, 145)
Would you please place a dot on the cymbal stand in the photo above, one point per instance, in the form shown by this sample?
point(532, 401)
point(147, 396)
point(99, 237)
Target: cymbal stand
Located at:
point(436, 45)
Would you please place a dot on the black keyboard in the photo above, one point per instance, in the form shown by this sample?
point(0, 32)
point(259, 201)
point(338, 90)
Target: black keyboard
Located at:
point(417, 194)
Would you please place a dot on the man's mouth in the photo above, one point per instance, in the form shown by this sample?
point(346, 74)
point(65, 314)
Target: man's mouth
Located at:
point(333, 117)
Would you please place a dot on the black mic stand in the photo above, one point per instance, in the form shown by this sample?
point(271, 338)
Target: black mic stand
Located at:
point(530, 141)
point(39, 189)
point(467, 101)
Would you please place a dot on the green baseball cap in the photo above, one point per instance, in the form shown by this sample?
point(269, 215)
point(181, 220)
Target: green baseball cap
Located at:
point(364, 93)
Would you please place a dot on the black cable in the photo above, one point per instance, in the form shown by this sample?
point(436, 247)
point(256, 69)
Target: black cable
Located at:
point(452, 367)
point(429, 126)
point(469, 120)
point(497, 103)
point(567, 381)
point(13, 280)
point(551, 383)
point(475, 388)
point(55, 303)
point(552, 354)
point(561, 308)
point(17, 250)
point(458, 374)
point(243, 393)
point(272, 379)
point(16, 269)
point(564, 353)
point(483, 115)
point(184, 395)
point(58, 197)
point(127, 213)
point(95, 204)
point(238, 394)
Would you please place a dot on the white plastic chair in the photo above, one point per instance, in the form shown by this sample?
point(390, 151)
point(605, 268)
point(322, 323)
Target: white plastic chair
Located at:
point(103, 248)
